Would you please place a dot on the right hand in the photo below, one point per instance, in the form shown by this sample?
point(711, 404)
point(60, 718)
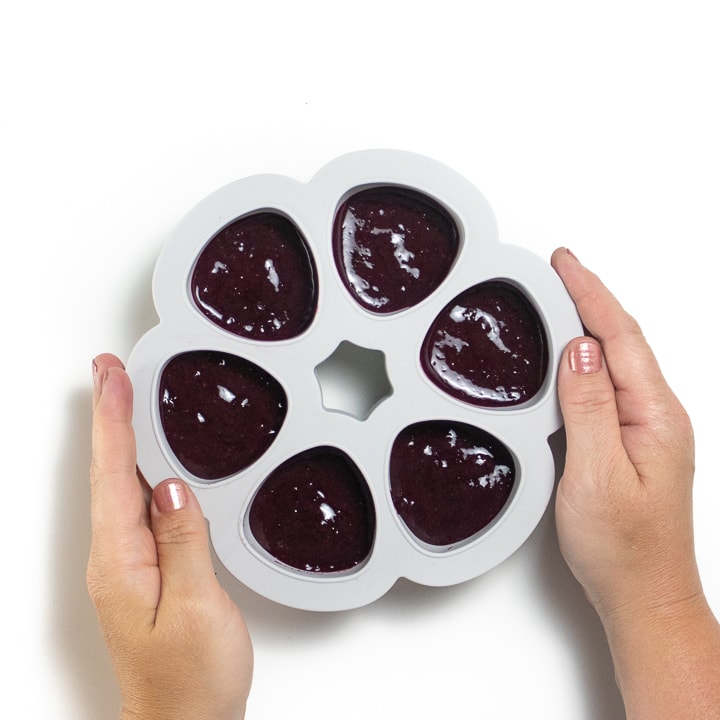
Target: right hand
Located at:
point(624, 503)
point(624, 511)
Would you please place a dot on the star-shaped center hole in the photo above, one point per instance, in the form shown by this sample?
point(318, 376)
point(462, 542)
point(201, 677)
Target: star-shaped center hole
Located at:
point(353, 380)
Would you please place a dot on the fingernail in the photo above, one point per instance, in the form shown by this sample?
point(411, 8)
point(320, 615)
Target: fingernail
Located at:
point(98, 378)
point(170, 496)
point(585, 357)
point(571, 254)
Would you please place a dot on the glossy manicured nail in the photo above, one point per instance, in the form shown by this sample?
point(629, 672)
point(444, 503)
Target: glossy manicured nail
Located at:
point(585, 357)
point(170, 496)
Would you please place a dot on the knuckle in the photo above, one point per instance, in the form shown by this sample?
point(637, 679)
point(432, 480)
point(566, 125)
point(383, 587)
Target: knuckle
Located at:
point(180, 534)
point(590, 400)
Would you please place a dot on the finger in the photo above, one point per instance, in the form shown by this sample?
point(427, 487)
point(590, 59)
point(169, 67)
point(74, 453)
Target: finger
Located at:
point(183, 545)
point(100, 366)
point(588, 403)
point(631, 364)
point(117, 501)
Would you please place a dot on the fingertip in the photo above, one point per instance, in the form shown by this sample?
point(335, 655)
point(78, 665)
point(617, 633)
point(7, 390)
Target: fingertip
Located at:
point(103, 361)
point(582, 368)
point(585, 389)
point(584, 356)
point(173, 504)
point(171, 495)
point(572, 272)
point(563, 255)
point(181, 537)
point(101, 367)
point(113, 393)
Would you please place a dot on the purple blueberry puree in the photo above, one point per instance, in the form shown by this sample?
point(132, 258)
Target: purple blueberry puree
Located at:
point(449, 480)
point(315, 513)
point(487, 347)
point(219, 412)
point(393, 247)
point(256, 278)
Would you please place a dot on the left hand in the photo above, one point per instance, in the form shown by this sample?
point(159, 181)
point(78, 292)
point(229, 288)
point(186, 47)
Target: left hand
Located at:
point(178, 643)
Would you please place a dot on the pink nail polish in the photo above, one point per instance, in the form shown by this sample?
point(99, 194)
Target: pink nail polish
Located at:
point(170, 496)
point(585, 357)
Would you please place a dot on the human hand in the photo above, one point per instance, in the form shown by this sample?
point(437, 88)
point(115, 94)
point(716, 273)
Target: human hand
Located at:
point(178, 643)
point(624, 503)
point(624, 510)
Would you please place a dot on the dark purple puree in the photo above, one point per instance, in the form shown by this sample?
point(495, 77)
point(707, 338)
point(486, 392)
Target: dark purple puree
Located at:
point(393, 247)
point(449, 480)
point(315, 513)
point(219, 412)
point(256, 278)
point(487, 347)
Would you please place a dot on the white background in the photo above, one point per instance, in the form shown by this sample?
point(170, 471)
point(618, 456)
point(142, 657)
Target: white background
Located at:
point(590, 125)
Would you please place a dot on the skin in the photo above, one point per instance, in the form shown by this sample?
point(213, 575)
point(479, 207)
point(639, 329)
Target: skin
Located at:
point(624, 519)
point(178, 643)
point(624, 510)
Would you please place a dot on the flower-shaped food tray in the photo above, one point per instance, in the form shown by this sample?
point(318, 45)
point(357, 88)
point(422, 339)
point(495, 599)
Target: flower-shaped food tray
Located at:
point(355, 376)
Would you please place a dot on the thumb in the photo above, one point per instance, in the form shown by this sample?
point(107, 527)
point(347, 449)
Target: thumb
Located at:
point(588, 404)
point(181, 537)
